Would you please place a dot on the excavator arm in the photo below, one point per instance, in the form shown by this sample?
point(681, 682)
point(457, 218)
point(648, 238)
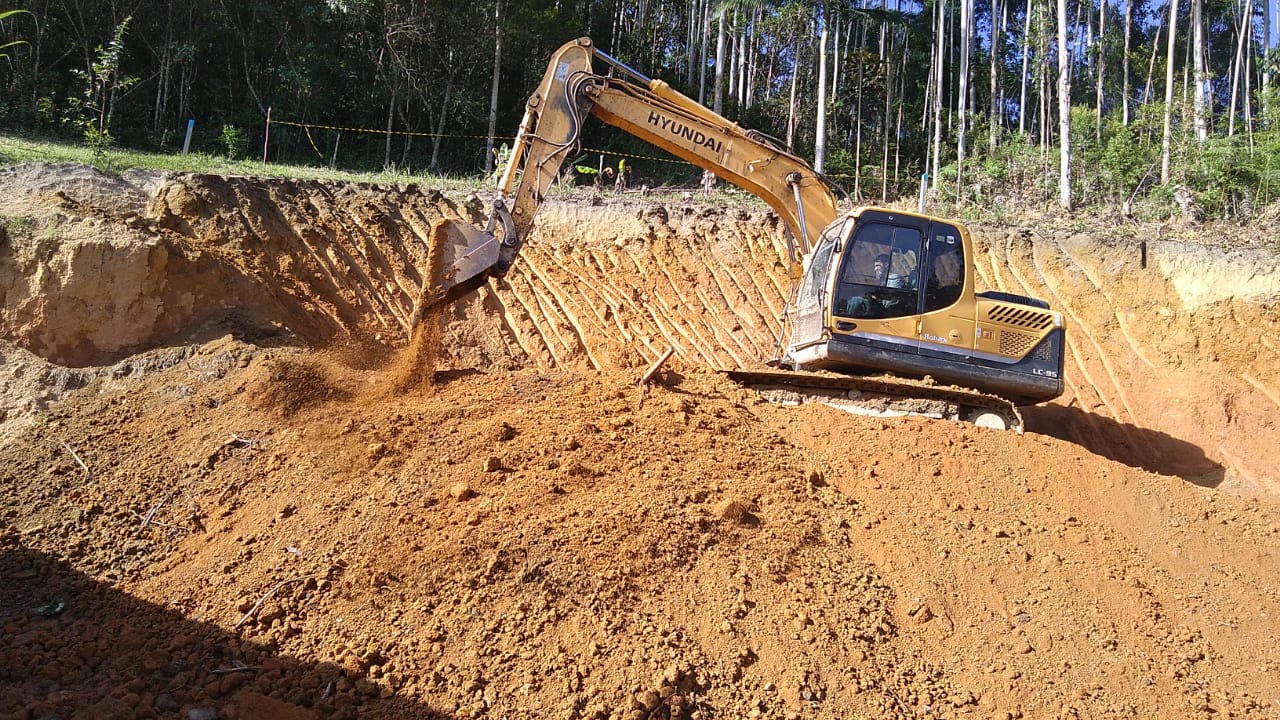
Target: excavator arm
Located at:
point(649, 109)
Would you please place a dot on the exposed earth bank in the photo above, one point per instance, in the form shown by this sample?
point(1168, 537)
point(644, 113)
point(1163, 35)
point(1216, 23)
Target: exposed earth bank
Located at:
point(216, 505)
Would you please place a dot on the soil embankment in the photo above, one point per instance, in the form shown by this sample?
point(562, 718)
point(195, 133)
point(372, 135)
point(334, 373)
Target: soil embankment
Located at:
point(202, 513)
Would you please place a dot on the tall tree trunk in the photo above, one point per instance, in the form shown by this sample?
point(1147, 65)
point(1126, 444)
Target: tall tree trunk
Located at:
point(791, 103)
point(835, 66)
point(1166, 143)
point(438, 137)
point(1064, 110)
point(705, 46)
point(753, 65)
point(820, 132)
point(489, 160)
point(857, 127)
point(1148, 89)
point(994, 113)
point(1248, 76)
point(1042, 70)
point(886, 52)
point(1124, 93)
point(1026, 56)
point(951, 44)
point(391, 115)
point(1200, 109)
point(1236, 63)
point(718, 104)
point(743, 45)
point(1266, 66)
point(939, 48)
point(731, 39)
point(962, 95)
point(1102, 62)
point(690, 42)
point(902, 90)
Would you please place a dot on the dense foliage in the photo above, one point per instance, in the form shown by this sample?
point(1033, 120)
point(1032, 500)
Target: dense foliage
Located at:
point(407, 84)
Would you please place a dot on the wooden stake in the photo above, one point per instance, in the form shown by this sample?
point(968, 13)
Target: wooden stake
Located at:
point(644, 380)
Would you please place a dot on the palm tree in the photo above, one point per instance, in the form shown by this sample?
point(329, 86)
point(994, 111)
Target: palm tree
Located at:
point(3, 16)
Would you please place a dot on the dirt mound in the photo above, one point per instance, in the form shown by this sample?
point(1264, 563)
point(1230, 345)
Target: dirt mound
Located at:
point(241, 526)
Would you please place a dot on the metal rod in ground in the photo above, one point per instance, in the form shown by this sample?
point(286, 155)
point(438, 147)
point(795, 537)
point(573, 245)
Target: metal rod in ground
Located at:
point(644, 380)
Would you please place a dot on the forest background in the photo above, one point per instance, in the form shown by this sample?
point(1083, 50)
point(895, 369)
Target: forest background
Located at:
point(1151, 108)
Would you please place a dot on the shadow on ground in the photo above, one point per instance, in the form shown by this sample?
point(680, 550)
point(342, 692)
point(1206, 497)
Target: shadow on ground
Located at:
point(73, 647)
point(1129, 444)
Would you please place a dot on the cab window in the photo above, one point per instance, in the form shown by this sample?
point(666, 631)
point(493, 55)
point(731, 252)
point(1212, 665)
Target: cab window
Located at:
point(878, 278)
point(944, 279)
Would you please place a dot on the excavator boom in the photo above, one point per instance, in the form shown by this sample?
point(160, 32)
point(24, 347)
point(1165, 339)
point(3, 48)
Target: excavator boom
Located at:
point(651, 110)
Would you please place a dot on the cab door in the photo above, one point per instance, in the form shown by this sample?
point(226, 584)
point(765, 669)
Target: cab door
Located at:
point(876, 294)
point(946, 297)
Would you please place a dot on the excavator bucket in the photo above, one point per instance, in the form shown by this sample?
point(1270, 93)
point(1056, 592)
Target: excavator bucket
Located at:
point(460, 258)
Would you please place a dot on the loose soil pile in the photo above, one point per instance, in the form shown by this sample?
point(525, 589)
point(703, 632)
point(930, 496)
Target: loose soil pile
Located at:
point(213, 506)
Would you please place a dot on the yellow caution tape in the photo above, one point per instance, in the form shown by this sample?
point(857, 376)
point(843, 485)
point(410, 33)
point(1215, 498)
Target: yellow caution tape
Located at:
point(338, 128)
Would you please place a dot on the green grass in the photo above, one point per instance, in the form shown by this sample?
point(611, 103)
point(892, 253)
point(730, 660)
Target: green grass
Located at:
point(15, 150)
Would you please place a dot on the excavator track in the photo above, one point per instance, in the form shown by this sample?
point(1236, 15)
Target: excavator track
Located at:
point(883, 396)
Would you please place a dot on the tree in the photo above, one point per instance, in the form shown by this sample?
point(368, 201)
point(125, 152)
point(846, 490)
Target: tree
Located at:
point(1064, 110)
point(493, 90)
point(962, 94)
point(1200, 104)
point(1166, 144)
point(820, 140)
point(1101, 64)
point(1128, 34)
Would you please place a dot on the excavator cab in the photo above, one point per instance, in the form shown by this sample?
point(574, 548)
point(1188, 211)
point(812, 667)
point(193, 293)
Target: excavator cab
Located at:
point(893, 291)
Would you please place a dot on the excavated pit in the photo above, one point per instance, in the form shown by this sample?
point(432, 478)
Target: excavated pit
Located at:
point(207, 431)
point(1172, 366)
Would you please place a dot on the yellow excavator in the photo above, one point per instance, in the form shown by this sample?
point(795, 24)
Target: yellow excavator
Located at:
point(882, 316)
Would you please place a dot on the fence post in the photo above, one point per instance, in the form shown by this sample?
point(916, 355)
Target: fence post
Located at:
point(266, 136)
point(191, 125)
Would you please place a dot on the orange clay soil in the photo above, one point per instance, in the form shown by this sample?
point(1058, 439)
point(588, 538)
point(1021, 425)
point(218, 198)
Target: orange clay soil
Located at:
point(217, 505)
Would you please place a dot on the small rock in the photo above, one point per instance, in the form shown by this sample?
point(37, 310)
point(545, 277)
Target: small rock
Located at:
point(733, 510)
point(461, 491)
point(492, 464)
point(649, 699)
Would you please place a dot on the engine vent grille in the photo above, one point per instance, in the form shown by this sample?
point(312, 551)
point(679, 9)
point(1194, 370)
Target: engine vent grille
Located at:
point(1021, 316)
point(1015, 344)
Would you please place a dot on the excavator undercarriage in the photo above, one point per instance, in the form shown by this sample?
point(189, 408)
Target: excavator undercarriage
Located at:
point(881, 396)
